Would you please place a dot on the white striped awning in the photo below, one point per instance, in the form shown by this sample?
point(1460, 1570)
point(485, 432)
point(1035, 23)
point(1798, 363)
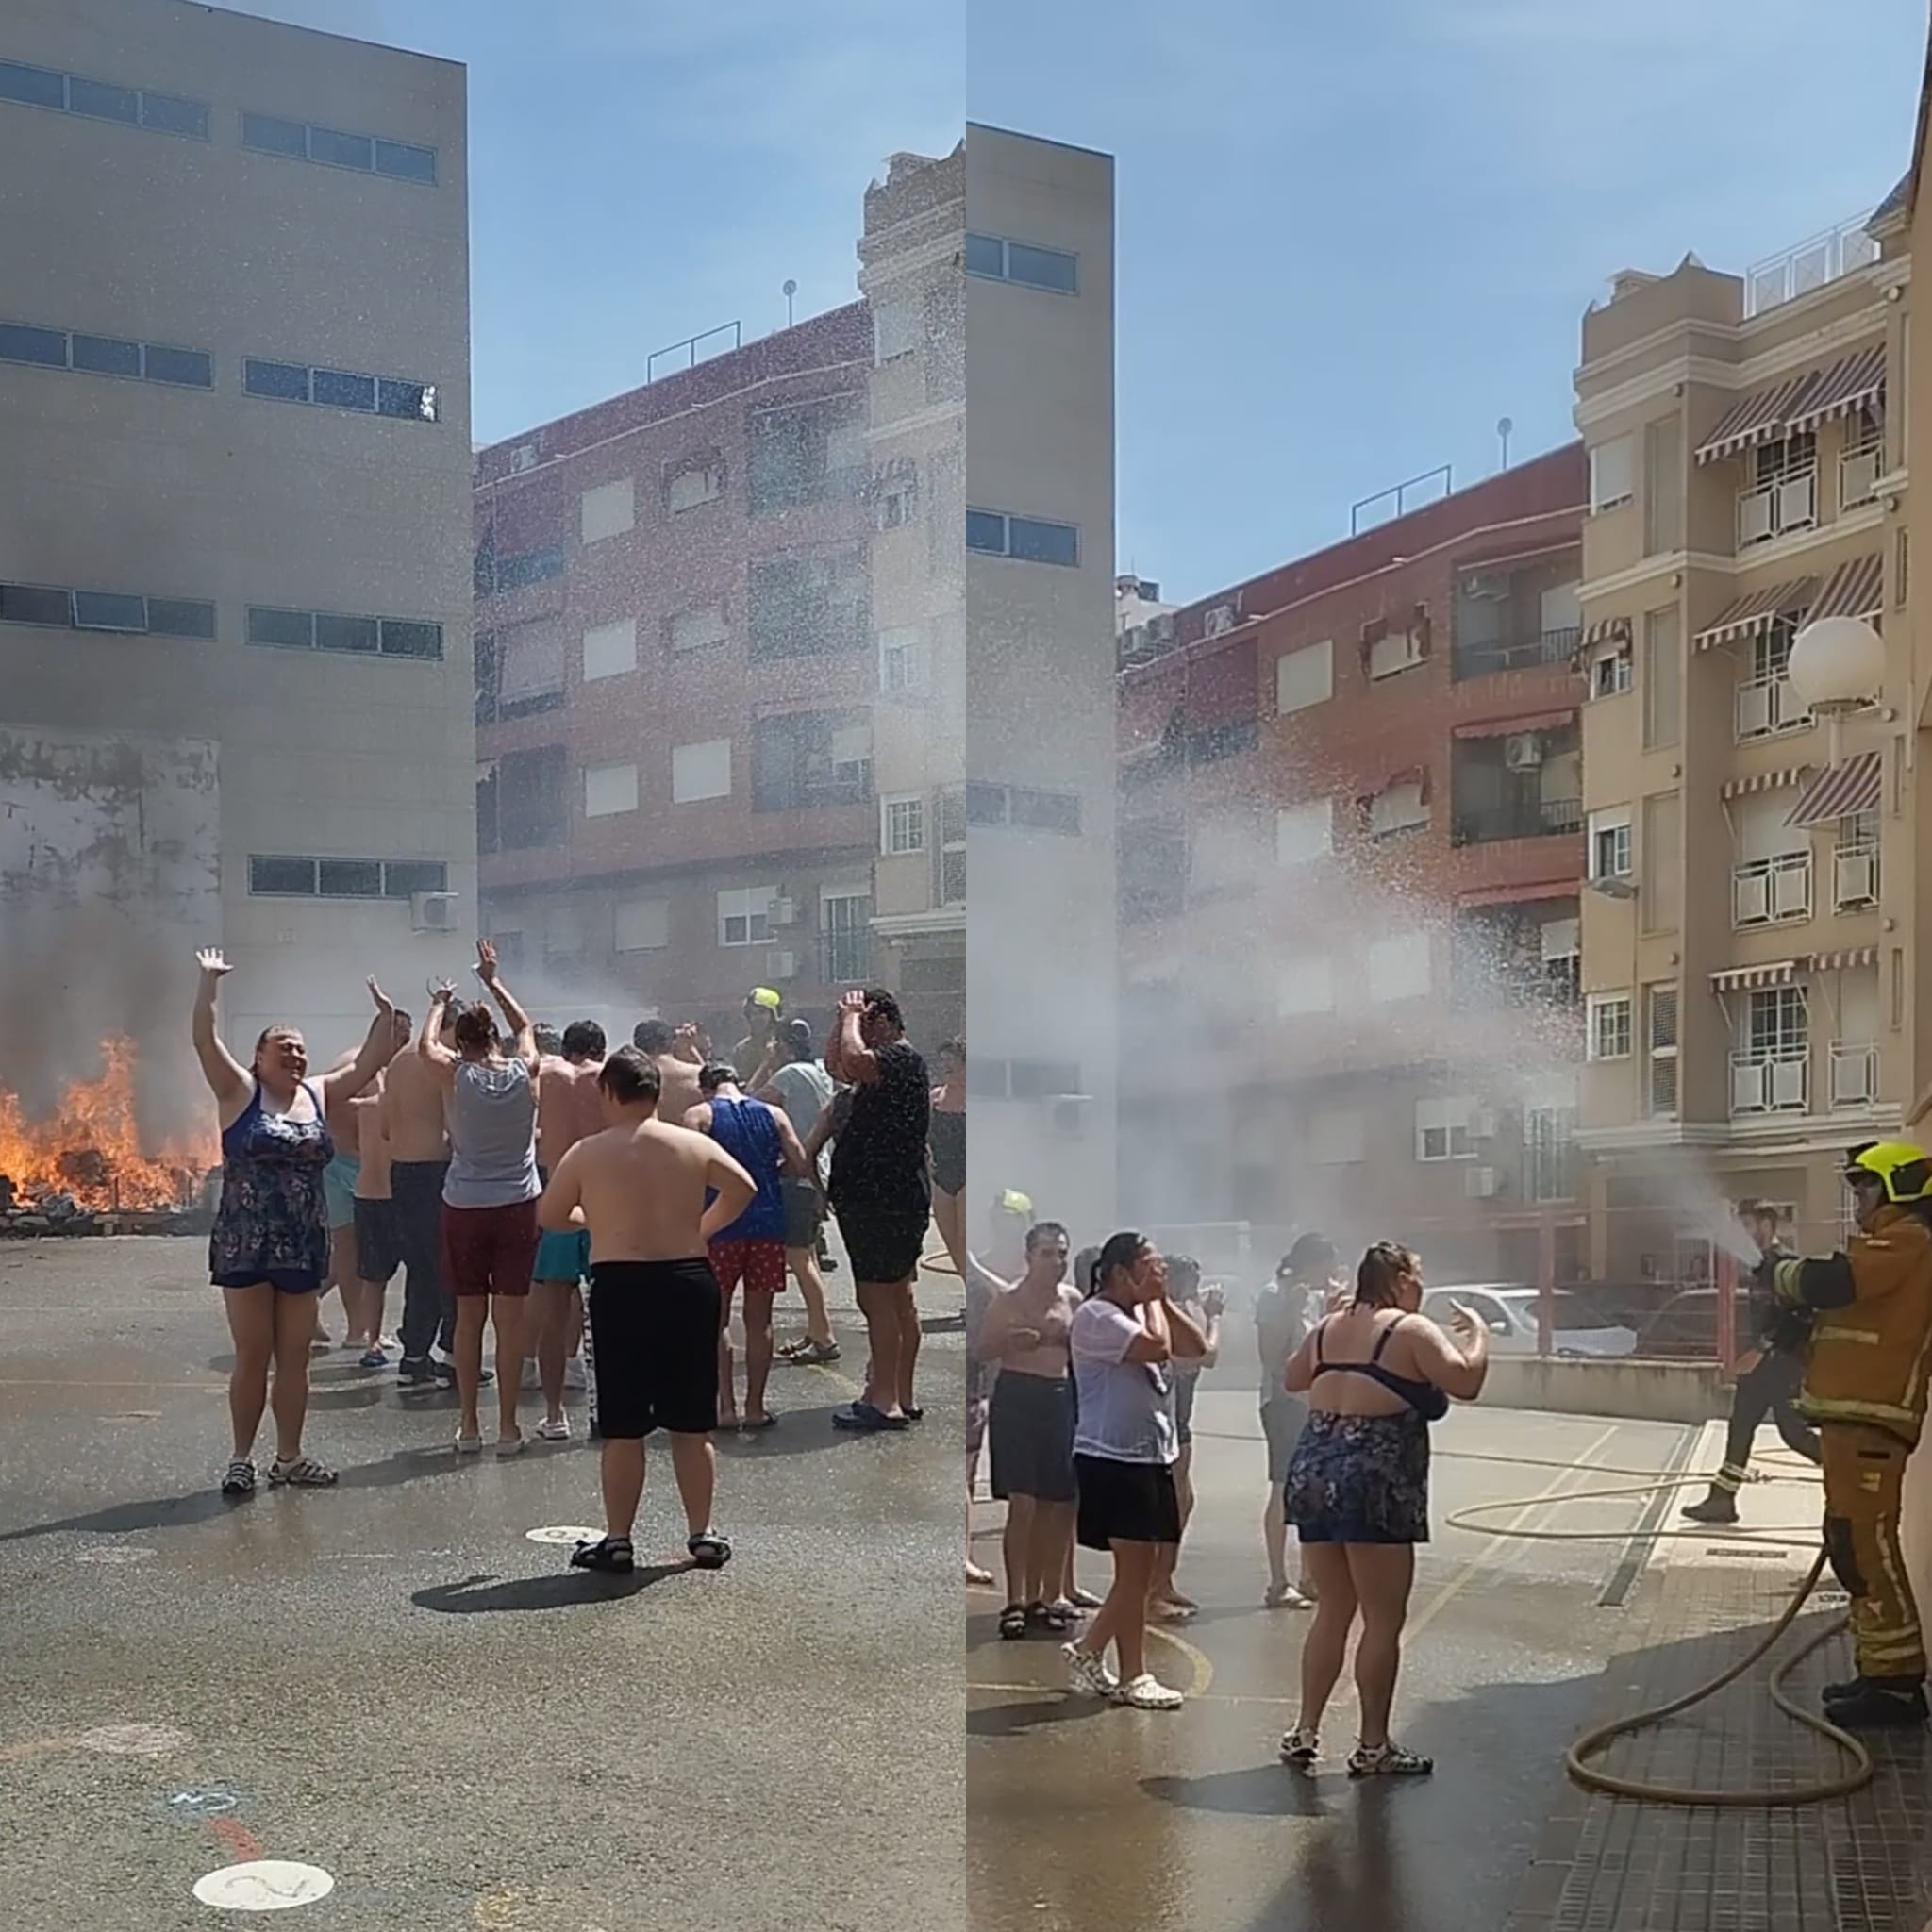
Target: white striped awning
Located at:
point(1844, 960)
point(1855, 588)
point(1852, 785)
point(1852, 384)
point(1752, 978)
point(1756, 611)
point(1758, 418)
point(1763, 781)
point(1606, 630)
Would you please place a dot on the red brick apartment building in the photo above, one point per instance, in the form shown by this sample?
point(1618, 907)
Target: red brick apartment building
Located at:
point(1351, 852)
point(674, 677)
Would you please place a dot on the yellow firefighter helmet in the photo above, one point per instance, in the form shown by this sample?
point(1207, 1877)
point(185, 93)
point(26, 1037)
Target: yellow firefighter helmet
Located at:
point(1905, 1171)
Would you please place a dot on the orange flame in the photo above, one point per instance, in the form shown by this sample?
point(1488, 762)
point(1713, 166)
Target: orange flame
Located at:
point(91, 1147)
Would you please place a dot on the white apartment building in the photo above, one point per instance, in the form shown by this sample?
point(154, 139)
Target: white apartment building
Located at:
point(235, 662)
point(1042, 1022)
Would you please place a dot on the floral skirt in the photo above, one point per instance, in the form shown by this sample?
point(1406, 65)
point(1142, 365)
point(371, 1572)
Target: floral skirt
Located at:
point(1360, 1479)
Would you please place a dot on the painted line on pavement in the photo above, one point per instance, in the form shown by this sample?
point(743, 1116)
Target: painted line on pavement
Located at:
point(1198, 1660)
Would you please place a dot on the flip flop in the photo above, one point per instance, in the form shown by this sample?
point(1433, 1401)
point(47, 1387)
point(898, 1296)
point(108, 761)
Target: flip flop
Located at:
point(610, 1553)
point(767, 1420)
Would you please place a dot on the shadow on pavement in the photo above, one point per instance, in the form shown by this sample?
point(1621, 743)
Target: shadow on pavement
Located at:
point(798, 1432)
point(559, 1591)
point(1025, 1719)
point(1255, 1791)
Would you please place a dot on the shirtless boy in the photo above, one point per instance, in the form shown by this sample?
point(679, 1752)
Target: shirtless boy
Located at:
point(568, 1110)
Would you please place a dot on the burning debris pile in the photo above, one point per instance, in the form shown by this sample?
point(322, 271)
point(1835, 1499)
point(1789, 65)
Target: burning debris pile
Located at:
point(85, 1170)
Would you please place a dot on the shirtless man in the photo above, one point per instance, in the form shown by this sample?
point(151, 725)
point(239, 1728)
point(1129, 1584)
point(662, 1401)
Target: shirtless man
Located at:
point(568, 1109)
point(378, 1254)
point(678, 1054)
point(639, 1187)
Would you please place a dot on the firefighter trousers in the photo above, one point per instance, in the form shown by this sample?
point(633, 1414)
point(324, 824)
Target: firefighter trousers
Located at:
point(1864, 1482)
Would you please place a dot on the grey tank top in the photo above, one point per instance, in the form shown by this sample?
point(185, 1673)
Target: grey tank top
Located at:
point(492, 1136)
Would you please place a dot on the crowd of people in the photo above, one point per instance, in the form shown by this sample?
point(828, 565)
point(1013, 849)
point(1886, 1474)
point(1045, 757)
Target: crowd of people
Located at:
point(600, 1212)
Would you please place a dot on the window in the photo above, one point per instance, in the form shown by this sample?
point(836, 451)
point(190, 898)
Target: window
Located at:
point(1338, 1139)
point(1027, 540)
point(1021, 806)
point(902, 823)
point(277, 877)
point(951, 883)
point(1443, 1129)
point(806, 453)
point(22, 342)
point(563, 933)
point(644, 925)
point(693, 484)
point(809, 607)
point(106, 610)
point(1398, 967)
point(1305, 831)
point(521, 801)
point(339, 388)
point(1398, 808)
point(106, 356)
point(1609, 843)
point(1305, 678)
point(324, 630)
point(520, 670)
point(701, 771)
point(1306, 985)
point(845, 936)
point(1777, 1022)
point(1609, 1026)
point(54, 348)
point(1783, 492)
point(803, 758)
point(1391, 651)
point(608, 511)
point(897, 327)
point(1660, 1031)
point(1663, 882)
point(1026, 262)
point(1612, 673)
point(42, 86)
point(611, 649)
point(1663, 677)
point(744, 915)
point(400, 161)
point(899, 660)
point(609, 790)
point(1612, 473)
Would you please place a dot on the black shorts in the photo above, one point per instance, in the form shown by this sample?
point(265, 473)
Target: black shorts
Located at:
point(802, 1210)
point(378, 1240)
point(654, 1344)
point(1125, 1502)
point(1282, 1417)
point(884, 1244)
point(1030, 1433)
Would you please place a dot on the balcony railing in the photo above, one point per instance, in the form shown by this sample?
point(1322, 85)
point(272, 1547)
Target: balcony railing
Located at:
point(1812, 263)
point(1854, 878)
point(1519, 654)
point(1858, 470)
point(1853, 1073)
point(1774, 509)
point(1778, 1081)
point(1766, 891)
point(1530, 818)
point(1767, 706)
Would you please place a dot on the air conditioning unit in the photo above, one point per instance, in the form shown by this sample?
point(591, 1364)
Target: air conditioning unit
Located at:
point(433, 912)
point(780, 966)
point(1523, 751)
point(1482, 1125)
point(1161, 630)
point(1221, 618)
point(1482, 1183)
point(524, 456)
point(783, 913)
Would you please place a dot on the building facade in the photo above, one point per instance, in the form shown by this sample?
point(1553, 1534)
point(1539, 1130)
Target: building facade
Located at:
point(1351, 840)
point(1039, 805)
point(676, 671)
point(233, 555)
point(1747, 937)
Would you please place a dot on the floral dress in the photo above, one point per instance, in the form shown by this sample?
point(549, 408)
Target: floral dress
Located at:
point(272, 1225)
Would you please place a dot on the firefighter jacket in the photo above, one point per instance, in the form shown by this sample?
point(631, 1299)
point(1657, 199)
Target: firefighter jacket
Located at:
point(1868, 1356)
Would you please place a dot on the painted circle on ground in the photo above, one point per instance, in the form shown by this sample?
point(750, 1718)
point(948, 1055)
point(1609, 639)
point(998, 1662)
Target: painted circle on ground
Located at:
point(562, 1533)
point(264, 1885)
point(114, 1553)
point(134, 1740)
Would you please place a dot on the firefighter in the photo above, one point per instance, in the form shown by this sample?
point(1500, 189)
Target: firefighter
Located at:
point(1863, 1319)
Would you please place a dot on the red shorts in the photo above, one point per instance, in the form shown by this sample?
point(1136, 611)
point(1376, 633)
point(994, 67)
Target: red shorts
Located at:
point(760, 1265)
point(488, 1250)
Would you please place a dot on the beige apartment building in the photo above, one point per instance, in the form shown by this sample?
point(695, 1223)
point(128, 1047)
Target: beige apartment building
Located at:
point(235, 676)
point(1039, 675)
point(912, 277)
point(1748, 957)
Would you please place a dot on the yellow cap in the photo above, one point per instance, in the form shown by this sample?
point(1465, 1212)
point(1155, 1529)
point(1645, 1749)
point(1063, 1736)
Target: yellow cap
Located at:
point(1013, 1201)
point(766, 997)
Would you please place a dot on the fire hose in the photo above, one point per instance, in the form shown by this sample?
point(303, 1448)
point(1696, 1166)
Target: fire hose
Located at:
point(1592, 1742)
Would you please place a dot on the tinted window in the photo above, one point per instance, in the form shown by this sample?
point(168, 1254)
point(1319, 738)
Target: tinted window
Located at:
point(986, 805)
point(402, 877)
point(280, 627)
point(19, 343)
point(27, 604)
point(168, 115)
point(104, 356)
point(343, 391)
point(108, 611)
point(985, 255)
point(37, 86)
point(181, 617)
point(341, 150)
point(411, 399)
point(986, 530)
point(345, 633)
point(274, 137)
point(404, 163)
point(1037, 542)
point(350, 878)
point(193, 368)
point(282, 875)
point(283, 380)
point(400, 639)
point(1046, 811)
point(107, 103)
point(1041, 268)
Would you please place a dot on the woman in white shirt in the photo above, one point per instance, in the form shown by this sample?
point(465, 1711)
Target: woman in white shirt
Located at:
point(1123, 1341)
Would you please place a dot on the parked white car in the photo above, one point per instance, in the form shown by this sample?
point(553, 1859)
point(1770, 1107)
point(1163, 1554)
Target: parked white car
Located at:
point(1511, 1312)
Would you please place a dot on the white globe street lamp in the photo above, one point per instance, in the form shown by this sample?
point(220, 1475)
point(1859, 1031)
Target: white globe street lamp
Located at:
point(1836, 666)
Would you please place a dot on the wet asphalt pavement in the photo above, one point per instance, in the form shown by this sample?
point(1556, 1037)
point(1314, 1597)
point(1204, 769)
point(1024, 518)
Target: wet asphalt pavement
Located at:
point(1087, 1818)
point(388, 1681)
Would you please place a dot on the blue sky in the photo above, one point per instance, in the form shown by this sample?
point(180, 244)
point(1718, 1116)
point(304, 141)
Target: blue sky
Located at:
point(1351, 238)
